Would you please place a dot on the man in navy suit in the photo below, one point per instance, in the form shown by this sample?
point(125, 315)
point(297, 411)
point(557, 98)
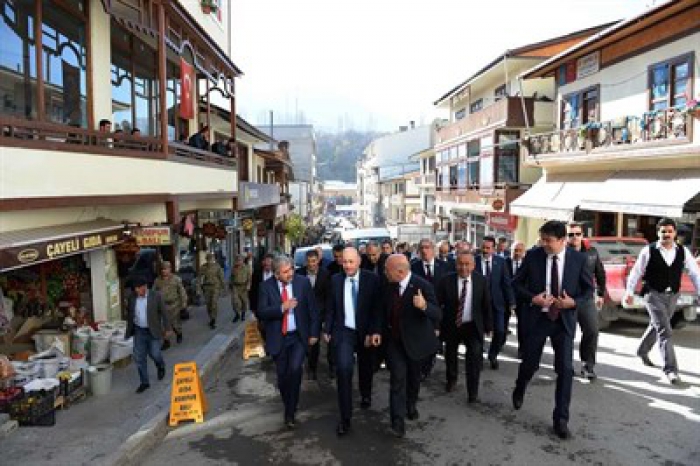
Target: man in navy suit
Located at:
point(554, 280)
point(408, 320)
point(517, 254)
point(351, 320)
point(287, 307)
point(498, 277)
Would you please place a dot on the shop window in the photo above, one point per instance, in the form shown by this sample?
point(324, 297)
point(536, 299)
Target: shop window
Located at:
point(18, 59)
point(507, 156)
point(669, 83)
point(476, 106)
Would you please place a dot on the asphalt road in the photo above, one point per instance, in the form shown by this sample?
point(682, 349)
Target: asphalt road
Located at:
point(629, 416)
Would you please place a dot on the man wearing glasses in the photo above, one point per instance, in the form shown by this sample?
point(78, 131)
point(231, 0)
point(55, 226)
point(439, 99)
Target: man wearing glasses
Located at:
point(588, 310)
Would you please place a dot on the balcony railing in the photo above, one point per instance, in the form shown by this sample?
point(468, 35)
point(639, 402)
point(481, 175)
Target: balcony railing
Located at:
point(16, 132)
point(655, 127)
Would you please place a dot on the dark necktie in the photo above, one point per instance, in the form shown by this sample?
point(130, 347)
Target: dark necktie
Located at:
point(553, 312)
point(488, 269)
point(462, 302)
point(428, 273)
point(396, 312)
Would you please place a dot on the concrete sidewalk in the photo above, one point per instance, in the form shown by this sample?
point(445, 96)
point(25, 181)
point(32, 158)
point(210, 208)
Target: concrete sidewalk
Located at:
point(116, 428)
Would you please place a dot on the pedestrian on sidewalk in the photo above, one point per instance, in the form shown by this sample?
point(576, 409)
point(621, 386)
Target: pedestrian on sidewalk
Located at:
point(211, 276)
point(240, 286)
point(554, 279)
point(287, 307)
point(407, 322)
point(173, 292)
point(661, 265)
point(147, 322)
point(587, 312)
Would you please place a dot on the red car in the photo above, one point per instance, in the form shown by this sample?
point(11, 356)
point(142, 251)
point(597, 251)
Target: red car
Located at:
point(618, 255)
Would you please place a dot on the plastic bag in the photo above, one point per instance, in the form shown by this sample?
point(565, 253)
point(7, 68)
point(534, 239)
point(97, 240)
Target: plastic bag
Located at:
point(120, 349)
point(99, 348)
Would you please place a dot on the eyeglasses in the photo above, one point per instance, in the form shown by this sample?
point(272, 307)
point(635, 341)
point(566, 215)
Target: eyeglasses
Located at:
point(571, 235)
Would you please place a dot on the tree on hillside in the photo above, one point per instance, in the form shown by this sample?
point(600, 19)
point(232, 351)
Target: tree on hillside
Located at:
point(338, 154)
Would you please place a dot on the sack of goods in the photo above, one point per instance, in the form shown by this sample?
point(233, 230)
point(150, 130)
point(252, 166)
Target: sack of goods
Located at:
point(119, 348)
point(99, 348)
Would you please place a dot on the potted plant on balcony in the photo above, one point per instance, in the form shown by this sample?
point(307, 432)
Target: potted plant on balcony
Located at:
point(209, 6)
point(693, 107)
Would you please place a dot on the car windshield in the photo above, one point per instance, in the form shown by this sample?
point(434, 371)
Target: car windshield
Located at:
point(617, 251)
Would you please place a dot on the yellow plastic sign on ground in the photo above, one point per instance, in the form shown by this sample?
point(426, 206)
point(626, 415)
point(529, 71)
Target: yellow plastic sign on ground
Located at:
point(187, 402)
point(253, 344)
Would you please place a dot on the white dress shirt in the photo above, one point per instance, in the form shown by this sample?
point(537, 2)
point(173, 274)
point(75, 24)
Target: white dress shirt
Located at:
point(141, 311)
point(432, 268)
point(669, 256)
point(484, 261)
point(403, 284)
point(291, 321)
point(467, 309)
point(311, 277)
point(267, 275)
point(516, 265)
point(560, 270)
point(349, 305)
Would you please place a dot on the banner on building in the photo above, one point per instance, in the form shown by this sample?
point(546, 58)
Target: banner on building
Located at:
point(501, 221)
point(187, 90)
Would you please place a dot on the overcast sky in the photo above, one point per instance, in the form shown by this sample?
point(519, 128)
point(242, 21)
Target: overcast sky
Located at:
point(377, 64)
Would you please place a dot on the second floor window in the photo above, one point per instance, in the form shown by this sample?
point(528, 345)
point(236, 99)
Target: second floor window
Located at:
point(459, 114)
point(476, 106)
point(669, 83)
point(500, 92)
point(580, 108)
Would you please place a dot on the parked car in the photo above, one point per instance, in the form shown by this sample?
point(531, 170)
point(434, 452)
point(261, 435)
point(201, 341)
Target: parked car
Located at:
point(618, 255)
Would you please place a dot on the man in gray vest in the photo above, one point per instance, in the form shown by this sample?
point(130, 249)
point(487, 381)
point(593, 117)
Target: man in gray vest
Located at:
point(661, 265)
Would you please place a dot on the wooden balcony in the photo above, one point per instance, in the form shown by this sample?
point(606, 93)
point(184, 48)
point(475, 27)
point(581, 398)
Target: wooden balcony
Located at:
point(623, 137)
point(506, 112)
point(28, 134)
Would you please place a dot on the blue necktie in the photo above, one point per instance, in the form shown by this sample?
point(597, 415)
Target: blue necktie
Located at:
point(353, 283)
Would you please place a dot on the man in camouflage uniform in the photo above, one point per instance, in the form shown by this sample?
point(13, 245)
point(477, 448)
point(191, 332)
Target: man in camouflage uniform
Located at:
point(175, 297)
point(211, 276)
point(240, 284)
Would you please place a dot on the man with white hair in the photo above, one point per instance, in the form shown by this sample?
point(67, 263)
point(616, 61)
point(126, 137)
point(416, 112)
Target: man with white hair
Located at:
point(517, 254)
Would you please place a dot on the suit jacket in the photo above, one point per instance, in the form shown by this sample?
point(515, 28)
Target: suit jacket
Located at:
point(368, 302)
point(449, 261)
point(366, 264)
point(447, 292)
point(308, 322)
point(440, 269)
point(577, 281)
point(501, 290)
point(334, 268)
point(255, 282)
point(156, 315)
point(417, 326)
point(322, 289)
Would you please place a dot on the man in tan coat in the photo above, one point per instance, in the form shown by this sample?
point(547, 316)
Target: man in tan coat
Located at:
point(175, 297)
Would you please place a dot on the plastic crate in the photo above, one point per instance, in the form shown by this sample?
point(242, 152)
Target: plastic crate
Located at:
point(6, 399)
point(35, 409)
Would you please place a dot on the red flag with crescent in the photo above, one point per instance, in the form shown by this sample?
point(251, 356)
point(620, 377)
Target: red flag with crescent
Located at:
point(187, 91)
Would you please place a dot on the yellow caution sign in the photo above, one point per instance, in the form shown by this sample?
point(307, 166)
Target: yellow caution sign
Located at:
point(253, 343)
point(187, 402)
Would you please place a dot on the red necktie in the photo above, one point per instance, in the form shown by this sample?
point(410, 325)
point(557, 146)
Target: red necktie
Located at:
point(285, 298)
point(553, 312)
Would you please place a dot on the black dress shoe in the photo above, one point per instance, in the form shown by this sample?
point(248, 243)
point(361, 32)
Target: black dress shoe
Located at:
point(562, 430)
point(471, 399)
point(365, 403)
point(178, 337)
point(450, 386)
point(142, 388)
point(398, 428)
point(290, 422)
point(212, 324)
point(494, 363)
point(518, 395)
point(412, 414)
point(161, 373)
point(165, 345)
point(343, 428)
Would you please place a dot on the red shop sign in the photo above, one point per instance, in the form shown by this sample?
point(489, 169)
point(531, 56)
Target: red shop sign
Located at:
point(187, 90)
point(501, 221)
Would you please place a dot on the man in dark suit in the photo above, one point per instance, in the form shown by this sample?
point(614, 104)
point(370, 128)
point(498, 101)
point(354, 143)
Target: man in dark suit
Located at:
point(517, 254)
point(373, 259)
point(321, 283)
point(337, 265)
point(287, 307)
point(555, 280)
point(260, 274)
point(466, 318)
point(352, 317)
point(444, 255)
point(408, 320)
point(147, 322)
point(499, 279)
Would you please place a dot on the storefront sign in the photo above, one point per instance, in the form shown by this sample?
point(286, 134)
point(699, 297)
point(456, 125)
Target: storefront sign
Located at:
point(152, 236)
point(187, 402)
point(587, 65)
point(501, 221)
point(254, 195)
point(187, 91)
point(19, 256)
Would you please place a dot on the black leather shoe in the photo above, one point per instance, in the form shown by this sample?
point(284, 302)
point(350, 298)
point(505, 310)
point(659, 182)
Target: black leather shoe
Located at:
point(450, 386)
point(412, 413)
point(494, 363)
point(343, 428)
point(165, 345)
point(562, 430)
point(142, 388)
point(212, 324)
point(365, 403)
point(518, 395)
point(471, 399)
point(398, 428)
point(178, 337)
point(161, 373)
point(290, 422)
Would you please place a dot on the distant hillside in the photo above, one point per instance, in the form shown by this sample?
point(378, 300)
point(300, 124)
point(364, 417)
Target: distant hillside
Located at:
point(338, 154)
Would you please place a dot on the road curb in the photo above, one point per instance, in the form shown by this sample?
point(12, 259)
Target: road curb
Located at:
point(156, 427)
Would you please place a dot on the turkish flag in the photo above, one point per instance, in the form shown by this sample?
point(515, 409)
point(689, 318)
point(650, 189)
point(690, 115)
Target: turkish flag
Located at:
point(187, 90)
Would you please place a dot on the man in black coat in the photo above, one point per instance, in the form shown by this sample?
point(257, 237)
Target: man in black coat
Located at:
point(373, 259)
point(337, 265)
point(353, 305)
point(321, 283)
point(466, 317)
point(513, 263)
point(408, 320)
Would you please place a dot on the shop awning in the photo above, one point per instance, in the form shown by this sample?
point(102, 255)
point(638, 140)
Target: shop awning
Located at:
point(660, 193)
point(556, 197)
point(22, 248)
